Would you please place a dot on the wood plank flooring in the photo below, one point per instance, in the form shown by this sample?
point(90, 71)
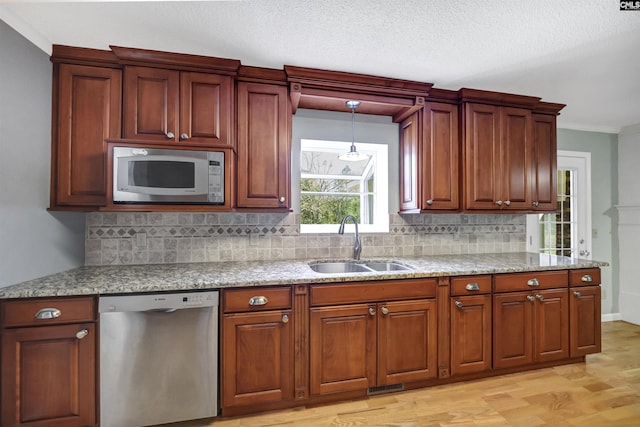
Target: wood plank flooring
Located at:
point(604, 391)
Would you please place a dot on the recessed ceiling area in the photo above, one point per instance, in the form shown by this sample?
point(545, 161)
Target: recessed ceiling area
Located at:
point(583, 53)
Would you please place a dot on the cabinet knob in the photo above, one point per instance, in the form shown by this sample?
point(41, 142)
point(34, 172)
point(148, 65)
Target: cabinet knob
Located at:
point(499, 203)
point(540, 297)
point(473, 286)
point(184, 136)
point(384, 310)
point(285, 318)
point(429, 202)
point(535, 204)
point(531, 298)
point(258, 300)
point(282, 199)
point(459, 304)
point(586, 278)
point(47, 313)
point(533, 282)
point(170, 135)
point(372, 311)
point(81, 334)
point(507, 202)
point(577, 294)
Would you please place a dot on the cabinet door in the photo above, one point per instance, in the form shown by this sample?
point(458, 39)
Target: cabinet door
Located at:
point(516, 163)
point(151, 104)
point(407, 341)
point(257, 358)
point(551, 325)
point(585, 321)
point(470, 334)
point(264, 146)
point(440, 157)
point(512, 329)
point(342, 348)
point(544, 175)
point(409, 154)
point(482, 156)
point(88, 113)
point(49, 376)
point(206, 109)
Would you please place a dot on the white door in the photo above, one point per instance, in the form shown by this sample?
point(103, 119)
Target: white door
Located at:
point(568, 231)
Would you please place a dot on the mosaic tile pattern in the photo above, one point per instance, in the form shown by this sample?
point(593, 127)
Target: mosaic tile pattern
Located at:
point(155, 238)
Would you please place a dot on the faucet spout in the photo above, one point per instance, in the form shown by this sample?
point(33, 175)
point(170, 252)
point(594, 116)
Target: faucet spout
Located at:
point(357, 247)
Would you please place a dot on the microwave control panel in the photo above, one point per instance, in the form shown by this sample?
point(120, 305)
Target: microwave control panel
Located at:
point(216, 177)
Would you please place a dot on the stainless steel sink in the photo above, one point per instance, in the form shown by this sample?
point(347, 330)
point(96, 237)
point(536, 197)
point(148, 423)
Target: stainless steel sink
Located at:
point(356, 267)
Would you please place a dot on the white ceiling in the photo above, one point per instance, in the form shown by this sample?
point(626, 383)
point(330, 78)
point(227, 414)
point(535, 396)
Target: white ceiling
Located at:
point(583, 53)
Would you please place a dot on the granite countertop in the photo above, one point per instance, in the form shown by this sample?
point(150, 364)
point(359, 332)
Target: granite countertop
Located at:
point(122, 279)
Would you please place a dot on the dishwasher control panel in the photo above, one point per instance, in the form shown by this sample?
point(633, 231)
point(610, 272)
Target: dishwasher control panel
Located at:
point(157, 302)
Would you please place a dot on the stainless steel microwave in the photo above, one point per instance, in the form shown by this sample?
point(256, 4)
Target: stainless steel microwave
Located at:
point(158, 175)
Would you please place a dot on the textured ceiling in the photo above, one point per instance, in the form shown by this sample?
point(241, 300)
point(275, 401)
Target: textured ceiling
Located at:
point(583, 53)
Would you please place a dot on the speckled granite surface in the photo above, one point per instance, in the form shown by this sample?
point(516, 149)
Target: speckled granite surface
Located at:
point(189, 276)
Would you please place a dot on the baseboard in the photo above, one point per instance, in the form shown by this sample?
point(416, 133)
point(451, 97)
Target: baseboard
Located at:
point(611, 317)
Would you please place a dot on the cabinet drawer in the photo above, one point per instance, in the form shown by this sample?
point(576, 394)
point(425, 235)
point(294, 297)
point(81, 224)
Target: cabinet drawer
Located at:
point(584, 277)
point(332, 294)
point(256, 299)
point(51, 311)
point(470, 285)
point(530, 281)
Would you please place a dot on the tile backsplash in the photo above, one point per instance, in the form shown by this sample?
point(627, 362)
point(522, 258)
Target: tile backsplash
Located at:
point(169, 237)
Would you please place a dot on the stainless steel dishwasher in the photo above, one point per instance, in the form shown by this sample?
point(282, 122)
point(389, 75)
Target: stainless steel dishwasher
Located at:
point(158, 358)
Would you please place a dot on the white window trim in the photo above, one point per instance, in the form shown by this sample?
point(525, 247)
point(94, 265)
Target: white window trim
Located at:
point(381, 192)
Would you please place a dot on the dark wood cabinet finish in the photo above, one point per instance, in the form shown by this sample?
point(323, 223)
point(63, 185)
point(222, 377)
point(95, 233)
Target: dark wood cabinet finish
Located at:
point(470, 334)
point(585, 311)
point(544, 172)
point(264, 147)
point(409, 163)
point(87, 105)
point(168, 107)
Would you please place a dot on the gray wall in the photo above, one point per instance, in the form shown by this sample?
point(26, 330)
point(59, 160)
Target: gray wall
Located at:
point(604, 196)
point(33, 242)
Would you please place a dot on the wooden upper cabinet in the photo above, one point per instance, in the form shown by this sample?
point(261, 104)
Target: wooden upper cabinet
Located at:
point(440, 157)
point(87, 105)
point(544, 173)
point(173, 107)
point(498, 157)
point(409, 164)
point(264, 146)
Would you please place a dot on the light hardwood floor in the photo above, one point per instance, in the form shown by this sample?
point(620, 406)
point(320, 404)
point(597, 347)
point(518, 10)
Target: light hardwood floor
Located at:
point(604, 391)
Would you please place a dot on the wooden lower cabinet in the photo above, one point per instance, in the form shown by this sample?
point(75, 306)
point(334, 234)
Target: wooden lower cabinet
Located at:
point(470, 334)
point(353, 347)
point(530, 327)
point(49, 376)
point(256, 358)
point(584, 308)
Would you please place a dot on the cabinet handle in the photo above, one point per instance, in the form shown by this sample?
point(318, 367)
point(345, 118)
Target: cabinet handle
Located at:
point(81, 334)
point(586, 278)
point(282, 199)
point(499, 203)
point(285, 318)
point(459, 304)
point(473, 286)
point(577, 294)
point(531, 298)
point(184, 136)
point(429, 202)
point(170, 135)
point(384, 310)
point(533, 282)
point(258, 300)
point(535, 204)
point(372, 311)
point(540, 297)
point(507, 203)
point(48, 313)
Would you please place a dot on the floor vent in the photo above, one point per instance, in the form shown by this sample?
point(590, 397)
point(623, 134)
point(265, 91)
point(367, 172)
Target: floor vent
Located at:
point(385, 389)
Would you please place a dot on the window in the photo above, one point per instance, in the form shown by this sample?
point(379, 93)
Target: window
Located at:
point(331, 188)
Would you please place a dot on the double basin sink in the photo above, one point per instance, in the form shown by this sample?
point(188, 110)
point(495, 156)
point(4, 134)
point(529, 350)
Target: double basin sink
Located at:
point(357, 266)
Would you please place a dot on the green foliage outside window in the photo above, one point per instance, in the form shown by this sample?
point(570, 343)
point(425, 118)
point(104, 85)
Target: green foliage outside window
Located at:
point(327, 208)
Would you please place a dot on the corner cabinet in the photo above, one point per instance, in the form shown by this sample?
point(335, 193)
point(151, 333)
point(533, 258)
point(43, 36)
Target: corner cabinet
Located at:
point(86, 112)
point(49, 371)
point(264, 146)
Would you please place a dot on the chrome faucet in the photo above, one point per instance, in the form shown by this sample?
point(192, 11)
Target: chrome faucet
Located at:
point(357, 247)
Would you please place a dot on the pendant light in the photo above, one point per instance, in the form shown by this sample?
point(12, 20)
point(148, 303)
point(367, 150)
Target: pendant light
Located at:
point(352, 155)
